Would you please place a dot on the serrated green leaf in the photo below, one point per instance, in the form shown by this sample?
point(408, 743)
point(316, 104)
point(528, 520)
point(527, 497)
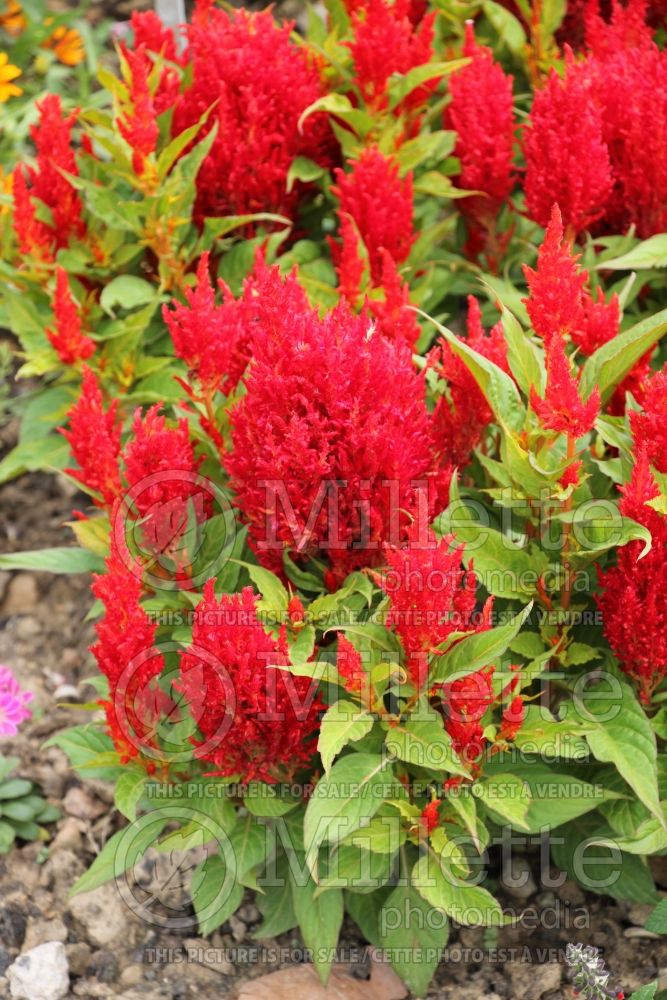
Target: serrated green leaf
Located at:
point(343, 723)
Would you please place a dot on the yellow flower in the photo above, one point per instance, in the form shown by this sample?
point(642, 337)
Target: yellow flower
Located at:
point(6, 187)
point(67, 45)
point(13, 20)
point(7, 74)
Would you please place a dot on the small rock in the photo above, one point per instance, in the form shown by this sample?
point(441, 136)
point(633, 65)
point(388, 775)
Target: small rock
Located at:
point(131, 975)
point(5, 960)
point(249, 913)
point(238, 928)
point(43, 931)
point(640, 932)
point(531, 981)
point(101, 913)
point(68, 837)
point(78, 956)
point(27, 627)
point(639, 913)
point(40, 974)
point(79, 803)
point(22, 595)
point(518, 882)
point(103, 965)
point(12, 925)
point(66, 692)
point(570, 892)
point(91, 989)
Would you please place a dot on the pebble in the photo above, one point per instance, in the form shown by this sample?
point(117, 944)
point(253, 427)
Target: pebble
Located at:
point(101, 913)
point(78, 956)
point(639, 933)
point(81, 805)
point(40, 974)
point(22, 596)
point(12, 925)
point(531, 981)
point(43, 931)
point(518, 882)
point(68, 836)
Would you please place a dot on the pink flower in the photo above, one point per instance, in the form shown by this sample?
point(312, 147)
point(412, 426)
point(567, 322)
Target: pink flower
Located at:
point(13, 703)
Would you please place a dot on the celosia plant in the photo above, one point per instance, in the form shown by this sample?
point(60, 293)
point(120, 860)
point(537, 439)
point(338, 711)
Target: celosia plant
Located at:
point(367, 581)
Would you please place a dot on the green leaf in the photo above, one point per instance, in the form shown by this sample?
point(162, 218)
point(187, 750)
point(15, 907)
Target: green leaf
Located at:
point(84, 745)
point(128, 292)
point(57, 560)
point(276, 905)
point(274, 594)
point(423, 742)
point(129, 789)
point(619, 733)
point(414, 935)
point(526, 359)
point(15, 788)
point(609, 365)
point(496, 386)
point(471, 905)
point(303, 169)
point(48, 452)
point(121, 852)
point(265, 800)
point(508, 28)
point(402, 85)
point(354, 789)
point(215, 894)
point(478, 650)
point(340, 106)
point(647, 992)
point(598, 526)
point(343, 723)
point(649, 253)
point(657, 922)
point(320, 917)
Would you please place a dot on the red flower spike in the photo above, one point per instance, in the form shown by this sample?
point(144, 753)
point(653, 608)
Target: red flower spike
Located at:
point(381, 204)
point(626, 76)
point(393, 315)
point(139, 126)
point(633, 593)
point(431, 595)
point(211, 338)
point(385, 42)
point(649, 427)
point(152, 38)
point(52, 137)
point(256, 721)
point(567, 160)
point(33, 236)
point(562, 409)
point(350, 667)
point(600, 322)
point(302, 479)
point(482, 114)
point(348, 260)
point(513, 718)
point(466, 702)
point(68, 340)
point(259, 83)
point(94, 438)
point(429, 819)
point(556, 286)
point(296, 611)
point(126, 655)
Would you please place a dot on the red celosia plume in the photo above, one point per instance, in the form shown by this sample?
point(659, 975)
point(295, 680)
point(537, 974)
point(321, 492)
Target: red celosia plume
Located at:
point(94, 439)
point(333, 466)
point(256, 721)
point(70, 343)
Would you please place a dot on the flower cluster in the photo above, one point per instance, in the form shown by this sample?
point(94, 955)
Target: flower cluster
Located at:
point(334, 466)
point(94, 440)
point(47, 183)
point(595, 140)
point(138, 126)
point(126, 654)
point(68, 339)
point(388, 39)
point(13, 702)
point(257, 722)
point(258, 83)
point(633, 598)
point(431, 595)
point(481, 111)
